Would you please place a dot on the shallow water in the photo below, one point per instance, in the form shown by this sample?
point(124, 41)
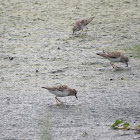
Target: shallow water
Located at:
point(38, 35)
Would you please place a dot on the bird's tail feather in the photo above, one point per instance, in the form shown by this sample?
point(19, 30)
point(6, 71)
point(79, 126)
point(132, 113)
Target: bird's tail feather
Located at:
point(90, 19)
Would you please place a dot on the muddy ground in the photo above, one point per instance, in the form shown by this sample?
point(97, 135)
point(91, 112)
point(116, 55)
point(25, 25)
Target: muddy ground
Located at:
point(38, 35)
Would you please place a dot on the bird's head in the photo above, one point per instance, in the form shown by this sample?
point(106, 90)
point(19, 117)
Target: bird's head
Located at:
point(74, 93)
point(126, 59)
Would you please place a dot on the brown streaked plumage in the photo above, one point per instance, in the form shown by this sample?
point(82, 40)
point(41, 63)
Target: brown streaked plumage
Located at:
point(81, 23)
point(61, 91)
point(115, 57)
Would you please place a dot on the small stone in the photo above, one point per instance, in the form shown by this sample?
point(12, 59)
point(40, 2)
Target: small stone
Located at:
point(122, 78)
point(84, 134)
point(11, 58)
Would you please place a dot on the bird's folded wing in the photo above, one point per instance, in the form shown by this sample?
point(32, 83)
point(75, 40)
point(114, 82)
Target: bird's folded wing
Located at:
point(60, 88)
point(113, 54)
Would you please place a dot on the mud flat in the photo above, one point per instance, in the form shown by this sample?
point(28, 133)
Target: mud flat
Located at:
point(37, 49)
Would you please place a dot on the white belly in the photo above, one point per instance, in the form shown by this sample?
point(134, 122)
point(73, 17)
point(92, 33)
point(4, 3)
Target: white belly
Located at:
point(60, 93)
point(114, 59)
point(82, 26)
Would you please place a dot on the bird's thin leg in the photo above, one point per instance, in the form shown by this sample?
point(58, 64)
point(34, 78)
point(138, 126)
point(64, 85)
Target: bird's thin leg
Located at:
point(80, 34)
point(86, 29)
point(58, 100)
point(81, 31)
point(114, 66)
point(74, 33)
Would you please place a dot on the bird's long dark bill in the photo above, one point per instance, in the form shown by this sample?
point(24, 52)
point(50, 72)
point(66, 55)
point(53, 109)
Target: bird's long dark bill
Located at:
point(127, 64)
point(76, 97)
point(44, 87)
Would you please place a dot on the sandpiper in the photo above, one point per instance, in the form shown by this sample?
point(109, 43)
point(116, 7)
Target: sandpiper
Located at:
point(61, 91)
point(114, 57)
point(81, 23)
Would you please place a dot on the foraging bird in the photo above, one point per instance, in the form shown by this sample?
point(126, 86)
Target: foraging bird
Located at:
point(81, 23)
point(62, 91)
point(115, 57)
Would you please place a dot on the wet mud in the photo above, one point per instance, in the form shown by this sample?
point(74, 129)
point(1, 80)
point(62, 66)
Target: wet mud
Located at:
point(37, 49)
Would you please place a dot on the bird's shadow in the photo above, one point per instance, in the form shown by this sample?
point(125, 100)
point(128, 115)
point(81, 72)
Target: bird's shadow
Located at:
point(119, 69)
point(62, 105)
point(81, 35)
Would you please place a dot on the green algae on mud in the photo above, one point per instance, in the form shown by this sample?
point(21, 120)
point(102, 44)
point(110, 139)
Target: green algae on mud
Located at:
point(77, 37)
point(46, 128)
point(135, 51)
